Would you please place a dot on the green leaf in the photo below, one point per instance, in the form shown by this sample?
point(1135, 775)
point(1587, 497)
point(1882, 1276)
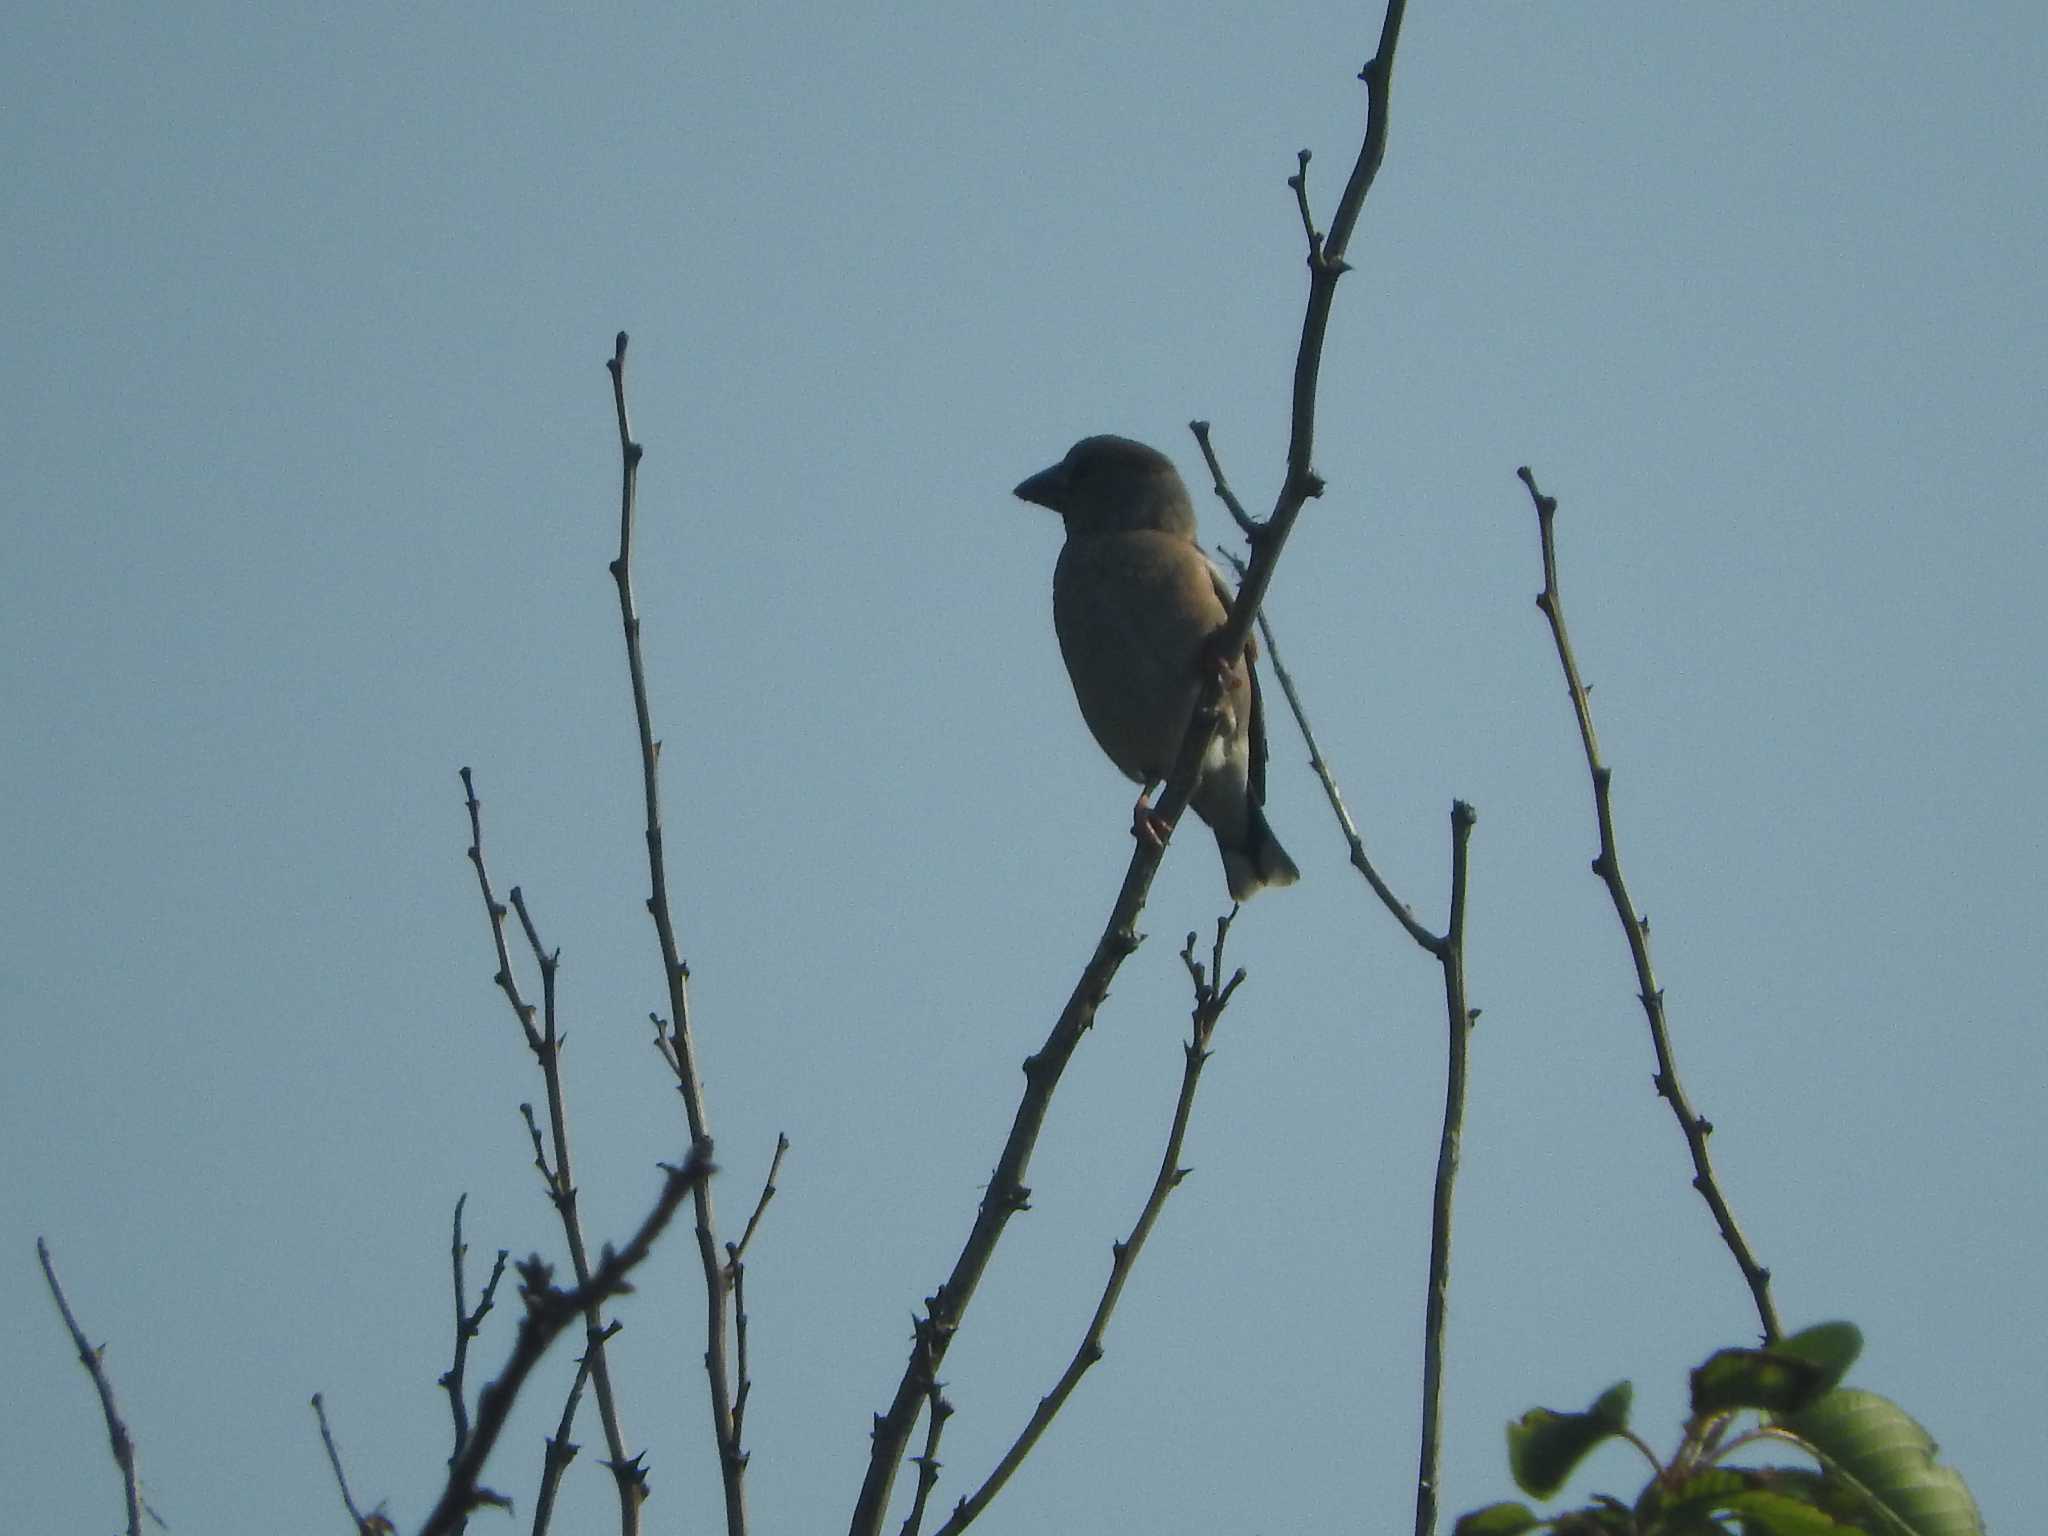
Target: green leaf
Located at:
point(1782, 1378)
point(1706, 1490)
point(1874, 1442)
point(1832, 1346)
point(1755, 1378)
point(1497, 1520)
point(1780, 1514)
point(1544, 1445)
point(1764, 1501)
point(1602, 1517)
point(1849, 1506)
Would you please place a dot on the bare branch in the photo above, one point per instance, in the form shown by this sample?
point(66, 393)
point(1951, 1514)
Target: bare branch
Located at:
point(495, 910)
point(1006, 1191)
point(122, 1444)
point(736, 1280)
point(374, 1523)
point(1460, 1016)
point(1224, 493)
point(1211, 998)
point(1326, 776)
point(548, 1312)
point(927, 1463)
point(561, 1450)
point(1607, 865)
point(737, 1251)
point(1449, 950)
point(1326, 265)
point(557, 1173)
point(468, 1325)
point(732, 1458)
point(1298, 183)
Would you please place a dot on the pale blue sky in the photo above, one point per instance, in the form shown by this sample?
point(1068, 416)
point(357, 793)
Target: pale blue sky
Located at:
point(308, 475)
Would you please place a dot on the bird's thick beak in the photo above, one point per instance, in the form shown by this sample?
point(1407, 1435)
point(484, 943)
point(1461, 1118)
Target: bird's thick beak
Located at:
point(1048, 487)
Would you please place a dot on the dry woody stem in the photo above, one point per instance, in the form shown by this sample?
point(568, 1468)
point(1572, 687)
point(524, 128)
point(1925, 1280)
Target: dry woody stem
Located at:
point(122, 1443)
point(548, 1312)
point(1326, 264)
point(1006, 1191)
point(1211, 998)
point(372, 1524)
point(681, 1040)
point(1448, 948)
point(557, 1173)
point(468, 1324)
point(1607, 865)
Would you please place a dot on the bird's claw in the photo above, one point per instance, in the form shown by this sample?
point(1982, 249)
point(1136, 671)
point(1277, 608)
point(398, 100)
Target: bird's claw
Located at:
point(1147, 825)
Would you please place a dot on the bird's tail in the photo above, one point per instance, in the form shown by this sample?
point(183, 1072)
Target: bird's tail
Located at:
point(1257, 860)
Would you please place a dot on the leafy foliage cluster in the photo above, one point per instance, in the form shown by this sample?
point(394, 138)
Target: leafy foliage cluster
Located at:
point(1874, 1471)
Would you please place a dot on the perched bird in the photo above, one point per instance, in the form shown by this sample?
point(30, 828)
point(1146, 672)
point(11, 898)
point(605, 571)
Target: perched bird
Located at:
point(1137, 606)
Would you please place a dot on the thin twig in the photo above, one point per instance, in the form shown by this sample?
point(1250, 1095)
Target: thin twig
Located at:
point(927, 1463)
point(1607, 865)
point(1449, 950)
point(468, 1325)
point(732, 1458)
point(736, 1281)
point(495, 910)
point(735, 1252)
point(558, 1174)
point(372, 1524)
point(1326, 264)
point(627, 1471)
point(1326, 776)
point(122, 1443)
point(1211, 998)
point(1006, 1192)
point(1460, 1016)
point(451, 1379)
point(1004, 1195)
point(548, 1312)
point(1224, 493)
point(561, 1450)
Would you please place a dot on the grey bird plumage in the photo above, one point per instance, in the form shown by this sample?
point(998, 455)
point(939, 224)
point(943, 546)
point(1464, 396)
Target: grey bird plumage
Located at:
point(1136, 604)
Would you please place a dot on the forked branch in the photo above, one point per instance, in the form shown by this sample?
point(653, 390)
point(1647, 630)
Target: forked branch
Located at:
point(682, 1043)
point(1212, 996)
point(1006, 1191)
point(549, 1311)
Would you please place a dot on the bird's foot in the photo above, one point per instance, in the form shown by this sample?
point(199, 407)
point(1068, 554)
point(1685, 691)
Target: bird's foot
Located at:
point(1147, 825)
point(1211, 659)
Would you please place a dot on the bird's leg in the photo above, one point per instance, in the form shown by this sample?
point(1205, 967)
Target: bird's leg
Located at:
point(1147, 825)
point(1211, 659)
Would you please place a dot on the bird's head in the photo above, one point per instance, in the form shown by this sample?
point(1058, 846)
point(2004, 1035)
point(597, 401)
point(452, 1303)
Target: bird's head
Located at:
point(1114, 485)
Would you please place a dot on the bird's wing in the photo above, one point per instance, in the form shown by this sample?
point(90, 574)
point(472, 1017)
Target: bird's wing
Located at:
point(1257, 732)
